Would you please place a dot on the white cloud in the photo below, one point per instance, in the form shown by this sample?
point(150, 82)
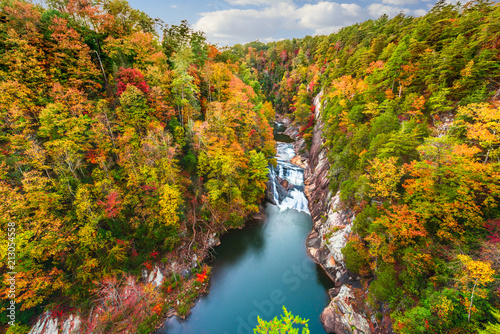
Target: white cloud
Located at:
point(278, 18)
point(378, 9)
point(244, 25)
point(256, 2)
point(419, 12)
point(328, 16)
point(400, 2)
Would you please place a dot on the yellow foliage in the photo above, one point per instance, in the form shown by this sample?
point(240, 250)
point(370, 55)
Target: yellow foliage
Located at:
point(482, 122)
point(475, 271)
point(384, 177)
point(170, 201)
point(348, 87)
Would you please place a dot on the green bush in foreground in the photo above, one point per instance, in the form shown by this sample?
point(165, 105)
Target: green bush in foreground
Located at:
point(283, 326)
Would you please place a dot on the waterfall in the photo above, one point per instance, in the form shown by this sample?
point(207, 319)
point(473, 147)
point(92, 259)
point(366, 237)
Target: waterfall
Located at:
point(288, 181)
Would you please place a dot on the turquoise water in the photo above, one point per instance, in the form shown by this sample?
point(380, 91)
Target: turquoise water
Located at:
point(256, 271)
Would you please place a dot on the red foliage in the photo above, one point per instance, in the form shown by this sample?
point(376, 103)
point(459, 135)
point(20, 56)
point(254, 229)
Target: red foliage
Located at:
point(122, 242)
point(157, 309)
point(202, 277)
point(60, 310)
point(131, 76)
point(112, 206)
point(149, 188)
point(284, 56)
point(311, 86)
point(148, 265)
point(493, 227)
point(91, 156)
point(309, 125)
point(154, 254)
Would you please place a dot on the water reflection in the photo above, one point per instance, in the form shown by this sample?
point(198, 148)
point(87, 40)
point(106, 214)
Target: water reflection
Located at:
point(256, 271)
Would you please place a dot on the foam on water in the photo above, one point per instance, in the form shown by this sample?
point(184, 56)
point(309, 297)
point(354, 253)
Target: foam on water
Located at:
point(295, 198)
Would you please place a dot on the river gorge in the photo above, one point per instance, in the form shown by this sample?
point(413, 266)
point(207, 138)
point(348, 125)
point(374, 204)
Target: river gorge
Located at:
point(264, 266)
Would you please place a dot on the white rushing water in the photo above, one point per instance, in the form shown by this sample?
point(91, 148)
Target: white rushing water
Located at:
point(295, 198)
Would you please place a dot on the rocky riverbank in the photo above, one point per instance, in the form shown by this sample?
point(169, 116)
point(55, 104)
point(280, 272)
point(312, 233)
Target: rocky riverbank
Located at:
point(332, 223)
point(180, 263)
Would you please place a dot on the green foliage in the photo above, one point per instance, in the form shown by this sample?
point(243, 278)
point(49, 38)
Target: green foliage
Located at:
point(385, 287)
point(287, 324)
point(355, 256)
point(18, 329)
point(492, 327)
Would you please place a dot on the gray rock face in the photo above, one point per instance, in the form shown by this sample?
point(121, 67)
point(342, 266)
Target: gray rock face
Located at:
point(332, 224)
point(71, 325)
point(269, 191)
point(282, 189)
point(339, 316)
point(47, 324)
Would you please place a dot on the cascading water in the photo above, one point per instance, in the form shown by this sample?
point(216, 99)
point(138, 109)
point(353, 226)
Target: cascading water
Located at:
point(288, 181)
point(264, 266)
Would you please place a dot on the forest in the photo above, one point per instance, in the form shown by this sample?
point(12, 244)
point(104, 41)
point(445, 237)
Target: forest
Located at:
point(126, 143)
point(412, 127)
point(121, 147)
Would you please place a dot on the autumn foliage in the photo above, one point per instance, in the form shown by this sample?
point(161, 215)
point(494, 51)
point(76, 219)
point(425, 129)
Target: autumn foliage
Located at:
point(410, 121)
point(130, 76)
point(108, 160)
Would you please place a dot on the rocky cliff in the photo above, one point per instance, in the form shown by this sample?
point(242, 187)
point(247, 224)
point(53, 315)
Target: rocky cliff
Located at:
point(332, 224)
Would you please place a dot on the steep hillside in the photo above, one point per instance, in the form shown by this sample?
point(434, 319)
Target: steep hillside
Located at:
point(411, 129)
point(122, 153)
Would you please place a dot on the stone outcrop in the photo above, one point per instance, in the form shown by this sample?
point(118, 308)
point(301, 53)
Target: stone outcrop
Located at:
point(332, 224)
point(339, 316)
point(49, 324)
point(283, 188)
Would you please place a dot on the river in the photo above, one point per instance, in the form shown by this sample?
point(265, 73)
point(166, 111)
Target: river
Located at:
point(262, 267)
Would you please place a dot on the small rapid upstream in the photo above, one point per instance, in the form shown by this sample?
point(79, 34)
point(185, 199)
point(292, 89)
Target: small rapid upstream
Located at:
point(264, 266)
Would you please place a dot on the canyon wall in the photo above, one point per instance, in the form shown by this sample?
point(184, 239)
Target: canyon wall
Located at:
point(332, 224)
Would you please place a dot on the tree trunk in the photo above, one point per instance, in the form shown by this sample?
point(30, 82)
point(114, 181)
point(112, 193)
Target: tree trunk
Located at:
point(471, 300)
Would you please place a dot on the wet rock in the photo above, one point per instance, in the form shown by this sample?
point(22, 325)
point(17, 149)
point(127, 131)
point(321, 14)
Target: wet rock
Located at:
point(281, 191)
point(270, 192)
point(333, 292)
point(260, 215)
point(285, 184)
point(298, 161)
point(213, 240)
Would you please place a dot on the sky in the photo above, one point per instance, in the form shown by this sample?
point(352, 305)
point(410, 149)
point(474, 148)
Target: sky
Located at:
point(228, 22)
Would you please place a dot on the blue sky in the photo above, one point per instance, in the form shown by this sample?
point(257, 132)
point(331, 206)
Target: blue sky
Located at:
point(226, 22)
